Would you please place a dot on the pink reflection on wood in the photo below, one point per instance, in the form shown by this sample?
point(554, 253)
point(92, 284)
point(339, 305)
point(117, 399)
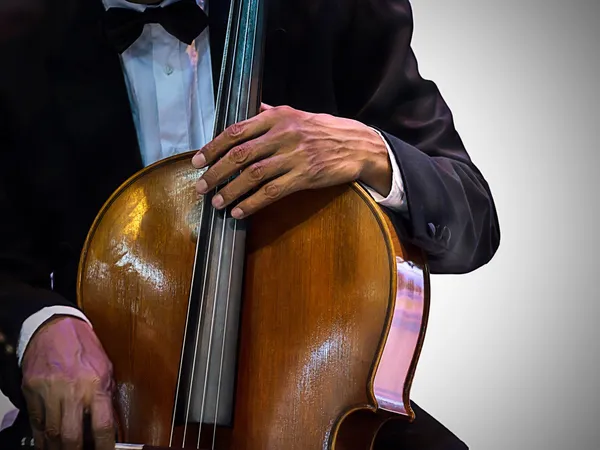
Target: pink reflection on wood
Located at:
point(402, 347)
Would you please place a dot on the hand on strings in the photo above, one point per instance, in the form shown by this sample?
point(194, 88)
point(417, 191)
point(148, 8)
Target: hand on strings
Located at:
point(282, 150)
point(66, 375)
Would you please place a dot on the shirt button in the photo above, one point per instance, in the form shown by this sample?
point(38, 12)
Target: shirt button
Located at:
point(168, 70)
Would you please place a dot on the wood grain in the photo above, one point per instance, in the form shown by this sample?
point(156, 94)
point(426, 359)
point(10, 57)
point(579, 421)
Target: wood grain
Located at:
point(319, 293)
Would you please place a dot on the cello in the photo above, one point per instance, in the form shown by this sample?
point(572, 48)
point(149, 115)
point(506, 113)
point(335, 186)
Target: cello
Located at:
point(297, 328)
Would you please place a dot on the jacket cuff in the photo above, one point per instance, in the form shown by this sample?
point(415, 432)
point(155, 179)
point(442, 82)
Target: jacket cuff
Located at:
point(396, 199)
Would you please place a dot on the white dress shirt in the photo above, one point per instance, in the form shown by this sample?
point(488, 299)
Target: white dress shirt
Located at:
point(170, 89)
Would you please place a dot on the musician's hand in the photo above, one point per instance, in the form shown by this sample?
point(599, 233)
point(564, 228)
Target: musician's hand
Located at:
point(285, 150)
point(65, 375)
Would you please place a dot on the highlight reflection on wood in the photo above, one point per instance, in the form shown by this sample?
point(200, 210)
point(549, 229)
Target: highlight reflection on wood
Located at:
point(319, 295)
point(404, 340)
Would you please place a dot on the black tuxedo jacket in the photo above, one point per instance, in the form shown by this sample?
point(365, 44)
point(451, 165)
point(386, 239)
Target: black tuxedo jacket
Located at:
point(68, 140)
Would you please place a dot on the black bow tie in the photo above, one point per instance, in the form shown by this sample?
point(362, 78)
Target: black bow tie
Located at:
point(183, 19)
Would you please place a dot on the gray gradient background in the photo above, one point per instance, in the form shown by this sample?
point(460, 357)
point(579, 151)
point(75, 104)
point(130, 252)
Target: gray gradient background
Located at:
point(511, 359)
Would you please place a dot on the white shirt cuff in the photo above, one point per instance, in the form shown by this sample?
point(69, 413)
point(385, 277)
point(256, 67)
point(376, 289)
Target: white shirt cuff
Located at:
point(396, 199)
point(33, 322)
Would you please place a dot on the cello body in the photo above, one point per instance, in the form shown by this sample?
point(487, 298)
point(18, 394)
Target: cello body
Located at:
point(334, 307)
point(331, 319)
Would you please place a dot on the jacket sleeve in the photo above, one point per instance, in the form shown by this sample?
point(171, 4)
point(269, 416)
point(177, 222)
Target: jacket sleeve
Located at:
point(451, 212)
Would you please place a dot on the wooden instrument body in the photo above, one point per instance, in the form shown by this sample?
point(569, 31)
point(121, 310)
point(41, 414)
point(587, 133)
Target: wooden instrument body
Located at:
point(333, 316)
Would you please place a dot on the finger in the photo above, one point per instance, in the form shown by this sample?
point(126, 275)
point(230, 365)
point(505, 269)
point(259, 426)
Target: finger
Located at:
point(52, 420)
point(72, 425)
point(233, 135)
point(236, 160)
point(103, 428)
point(35, 410)
point(253, 176)
point(269, 193)
point(264, 107)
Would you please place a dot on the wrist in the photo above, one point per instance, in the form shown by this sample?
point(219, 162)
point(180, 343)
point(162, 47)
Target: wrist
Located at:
point(376, 168)
point(56, 319)
point(34, 322)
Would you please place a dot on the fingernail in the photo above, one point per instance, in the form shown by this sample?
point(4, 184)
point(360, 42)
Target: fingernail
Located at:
point(237, 213)
point(198, 160)
point(217, 201)
point(201, 186)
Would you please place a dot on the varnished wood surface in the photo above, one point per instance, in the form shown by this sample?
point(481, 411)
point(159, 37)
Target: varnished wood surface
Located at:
point(319, 292)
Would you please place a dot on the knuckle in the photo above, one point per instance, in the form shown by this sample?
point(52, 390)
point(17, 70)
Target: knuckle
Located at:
point(208, 151)
point(240, 153)
point(293, 131)
point(36, 419)
point(70, 433)
point(71, 442)
point(283, 108)
point(110, 379)
point(257, 172)
point(108, 369)
point(52, 433)
point(272, 191)
point(210, 176)
point(92, 381)
point(235, 130)
point(104, 429)
point(33, 383)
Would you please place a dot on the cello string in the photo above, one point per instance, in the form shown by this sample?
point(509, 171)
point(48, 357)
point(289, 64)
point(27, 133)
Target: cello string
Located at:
point(222, 347)
point(211, 334)
point(186, 327)
point(221, 246)
point(203, 296)
point(202, 311)
point(194, 267)
point(201, 314)
point(199, 324)
point(234, 231)
point(185, 331)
